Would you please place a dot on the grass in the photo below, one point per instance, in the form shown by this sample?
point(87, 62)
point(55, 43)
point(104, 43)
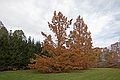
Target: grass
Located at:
point(92, 74)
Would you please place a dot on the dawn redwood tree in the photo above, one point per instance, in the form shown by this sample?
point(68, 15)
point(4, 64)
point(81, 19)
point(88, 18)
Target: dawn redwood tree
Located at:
point(67, 52)
point(58, 26)
point(80, 42)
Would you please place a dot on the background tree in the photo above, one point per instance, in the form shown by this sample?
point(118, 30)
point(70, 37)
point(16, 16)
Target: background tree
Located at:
point(4, 46)
point(16, 50)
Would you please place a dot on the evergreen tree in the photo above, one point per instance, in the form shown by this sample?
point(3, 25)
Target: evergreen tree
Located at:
point(4, 53)
point(38, 47)
point(15, 49)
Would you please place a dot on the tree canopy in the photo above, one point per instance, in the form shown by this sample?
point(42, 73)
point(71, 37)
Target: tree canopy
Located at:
point(73, 51)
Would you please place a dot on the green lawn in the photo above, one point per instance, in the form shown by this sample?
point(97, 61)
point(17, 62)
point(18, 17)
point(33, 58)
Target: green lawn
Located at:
point(93, 74)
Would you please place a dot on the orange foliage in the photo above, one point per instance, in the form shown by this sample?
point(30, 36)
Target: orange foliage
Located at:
point(68, 52)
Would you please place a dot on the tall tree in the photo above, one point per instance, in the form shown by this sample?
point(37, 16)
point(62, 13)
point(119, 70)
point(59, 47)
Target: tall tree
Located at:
point(4, 46)
point(73, 52)
point(58, 26)
point(80, 42)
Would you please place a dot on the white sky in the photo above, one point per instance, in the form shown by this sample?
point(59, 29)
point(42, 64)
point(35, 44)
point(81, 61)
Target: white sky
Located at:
point(101, 16)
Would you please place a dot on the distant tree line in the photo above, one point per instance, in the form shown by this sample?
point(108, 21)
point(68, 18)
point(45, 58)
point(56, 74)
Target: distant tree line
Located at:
point(107, 58)
point(16, 50)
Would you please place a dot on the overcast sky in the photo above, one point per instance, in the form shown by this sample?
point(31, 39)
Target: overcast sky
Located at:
point(101, 16)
